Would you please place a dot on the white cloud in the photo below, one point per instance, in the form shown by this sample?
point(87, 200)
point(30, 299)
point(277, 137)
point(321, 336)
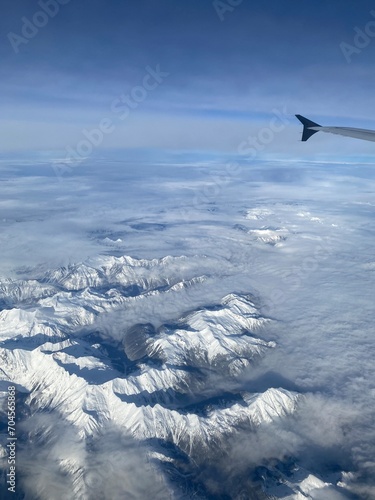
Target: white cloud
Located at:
point(316, 284)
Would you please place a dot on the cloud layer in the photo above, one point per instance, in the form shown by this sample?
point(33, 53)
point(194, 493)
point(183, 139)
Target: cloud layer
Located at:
point(313, 282)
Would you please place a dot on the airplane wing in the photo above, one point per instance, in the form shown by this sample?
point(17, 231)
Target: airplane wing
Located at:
point(310, 128)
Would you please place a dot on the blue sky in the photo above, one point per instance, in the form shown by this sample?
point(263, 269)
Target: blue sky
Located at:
point(224, 75)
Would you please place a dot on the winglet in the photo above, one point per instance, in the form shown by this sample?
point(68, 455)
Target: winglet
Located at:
point(307, 131)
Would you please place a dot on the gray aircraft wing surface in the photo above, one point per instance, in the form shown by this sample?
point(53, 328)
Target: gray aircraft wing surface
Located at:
point(310, 128)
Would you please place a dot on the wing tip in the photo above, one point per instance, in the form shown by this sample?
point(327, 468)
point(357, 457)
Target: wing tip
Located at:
point(307, 131)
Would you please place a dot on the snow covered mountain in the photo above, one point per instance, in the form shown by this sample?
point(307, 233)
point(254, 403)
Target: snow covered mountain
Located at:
point(174, 385)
